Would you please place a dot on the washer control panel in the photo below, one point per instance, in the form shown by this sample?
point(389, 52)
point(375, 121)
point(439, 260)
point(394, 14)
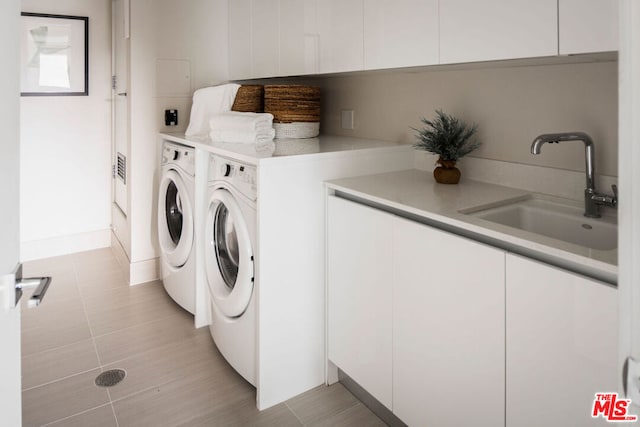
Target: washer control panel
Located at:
point(180, 155)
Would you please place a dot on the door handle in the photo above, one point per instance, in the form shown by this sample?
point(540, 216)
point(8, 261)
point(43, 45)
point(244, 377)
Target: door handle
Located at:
point(40, 283)
point(122, 94)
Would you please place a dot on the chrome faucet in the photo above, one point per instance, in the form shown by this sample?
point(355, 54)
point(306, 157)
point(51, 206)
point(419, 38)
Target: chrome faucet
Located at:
point(592, 199)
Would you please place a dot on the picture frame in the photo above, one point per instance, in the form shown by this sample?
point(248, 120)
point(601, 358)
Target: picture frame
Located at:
point(54, 55)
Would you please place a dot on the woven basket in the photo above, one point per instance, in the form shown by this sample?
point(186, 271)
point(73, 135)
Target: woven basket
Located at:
point(292, 103)
point(249, 99)
point(296, 130)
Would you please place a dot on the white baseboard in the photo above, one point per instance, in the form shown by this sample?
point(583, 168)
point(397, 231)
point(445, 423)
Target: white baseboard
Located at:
point(144, 271)
point(63, 245)
point(121, 256)
point(136, 272)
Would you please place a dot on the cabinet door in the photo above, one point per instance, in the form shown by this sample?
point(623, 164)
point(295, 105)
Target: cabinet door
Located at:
point(400, 33)
point(299, 37)
point(472, 30)
point(448, 328)
point(561, 345)
point(588, 26)
point(341, 35)
point(264, 38)
point(359, 278)
point(239, 39)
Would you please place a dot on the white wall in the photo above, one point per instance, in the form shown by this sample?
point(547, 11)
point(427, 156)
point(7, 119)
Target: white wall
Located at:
point(512, 105)
point(194, 31)
point(66, 148)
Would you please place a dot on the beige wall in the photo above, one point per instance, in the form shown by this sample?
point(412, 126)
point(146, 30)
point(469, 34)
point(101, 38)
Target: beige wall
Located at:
point(512, 105)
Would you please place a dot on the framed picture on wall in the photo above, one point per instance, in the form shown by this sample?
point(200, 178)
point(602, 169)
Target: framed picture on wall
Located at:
point(54, 55)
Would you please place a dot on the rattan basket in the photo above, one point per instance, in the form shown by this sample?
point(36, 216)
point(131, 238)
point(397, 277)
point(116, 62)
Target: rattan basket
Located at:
point(249, 99)
point(295, 109)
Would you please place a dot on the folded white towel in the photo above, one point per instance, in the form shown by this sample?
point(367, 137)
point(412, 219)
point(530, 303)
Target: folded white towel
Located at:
point(208, 102)
point(239, 136)
point(234, 120)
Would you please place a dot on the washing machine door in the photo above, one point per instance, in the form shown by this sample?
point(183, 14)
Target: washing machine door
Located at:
point(229, 255)
point(175, 219)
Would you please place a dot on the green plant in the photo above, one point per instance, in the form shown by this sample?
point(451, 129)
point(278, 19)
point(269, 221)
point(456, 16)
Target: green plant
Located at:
point(447, 136)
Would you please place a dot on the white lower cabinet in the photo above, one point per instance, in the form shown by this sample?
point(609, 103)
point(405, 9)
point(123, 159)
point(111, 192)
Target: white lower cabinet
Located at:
point(359, 295)
point(448, 328)
point(447, 331)
point(561, 345)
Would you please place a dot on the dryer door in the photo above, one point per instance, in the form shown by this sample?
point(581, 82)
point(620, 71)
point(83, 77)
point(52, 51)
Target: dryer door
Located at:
point(229, 255)
point(175, 219)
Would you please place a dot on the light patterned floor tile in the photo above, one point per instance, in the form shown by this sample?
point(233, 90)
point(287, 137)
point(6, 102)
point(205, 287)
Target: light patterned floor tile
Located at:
point(358, 415)
point(62, 399)
point(141, 338)
point(98, 417)
point(61, 362)
point(244, 413)
point(321, 403)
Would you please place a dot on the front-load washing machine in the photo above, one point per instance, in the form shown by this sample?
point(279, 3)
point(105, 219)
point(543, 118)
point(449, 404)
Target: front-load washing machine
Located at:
point(175, 223)
point(229, 255)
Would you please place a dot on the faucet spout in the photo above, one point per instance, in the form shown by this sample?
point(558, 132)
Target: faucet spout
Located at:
point(592, 200)
point(590, 167)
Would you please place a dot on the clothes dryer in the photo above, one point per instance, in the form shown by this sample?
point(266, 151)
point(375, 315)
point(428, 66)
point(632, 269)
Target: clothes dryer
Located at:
point(230, 234)
point(176, 223)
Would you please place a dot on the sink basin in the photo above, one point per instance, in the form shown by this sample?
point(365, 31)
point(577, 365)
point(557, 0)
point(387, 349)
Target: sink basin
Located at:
point(562, 220)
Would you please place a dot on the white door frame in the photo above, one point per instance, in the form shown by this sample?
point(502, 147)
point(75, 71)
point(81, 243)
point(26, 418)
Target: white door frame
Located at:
point(629, 179)
point(10, 378)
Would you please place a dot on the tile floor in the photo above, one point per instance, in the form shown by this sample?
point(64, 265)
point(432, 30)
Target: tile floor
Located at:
point(91, 321)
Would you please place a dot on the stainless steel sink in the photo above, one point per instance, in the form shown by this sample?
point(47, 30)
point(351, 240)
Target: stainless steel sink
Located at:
point(550, 217)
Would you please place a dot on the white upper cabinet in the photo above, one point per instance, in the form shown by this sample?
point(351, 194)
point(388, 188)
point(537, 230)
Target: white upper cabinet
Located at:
point(472, 30)
point(588, 26)
point(299, 38)
point(240, 39)
point(264, 38)
point(400, 33)
point(341, 35)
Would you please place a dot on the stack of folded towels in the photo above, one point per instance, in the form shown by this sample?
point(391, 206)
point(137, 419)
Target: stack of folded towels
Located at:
point(232, 126)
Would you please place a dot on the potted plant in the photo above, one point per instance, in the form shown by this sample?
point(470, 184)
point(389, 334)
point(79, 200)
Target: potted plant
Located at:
point(451, 139)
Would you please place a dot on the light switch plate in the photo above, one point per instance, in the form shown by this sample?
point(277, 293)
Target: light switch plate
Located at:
point(348, 119)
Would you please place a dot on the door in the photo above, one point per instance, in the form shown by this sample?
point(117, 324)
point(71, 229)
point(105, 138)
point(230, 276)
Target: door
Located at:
point(359, 294)
point(228, 254)
point(561, 344)
point(120, 113)
point(10, 383)
point(629, 179)
point(175, 219)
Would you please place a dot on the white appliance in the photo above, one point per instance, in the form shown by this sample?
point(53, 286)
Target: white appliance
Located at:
point(230, 239)
point(176, 223)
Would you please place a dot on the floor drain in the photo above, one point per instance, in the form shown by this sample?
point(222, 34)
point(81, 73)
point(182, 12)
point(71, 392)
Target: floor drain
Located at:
point(110, 378)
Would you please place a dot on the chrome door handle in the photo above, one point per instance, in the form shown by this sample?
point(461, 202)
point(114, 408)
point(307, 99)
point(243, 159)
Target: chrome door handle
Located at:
point(41, 284)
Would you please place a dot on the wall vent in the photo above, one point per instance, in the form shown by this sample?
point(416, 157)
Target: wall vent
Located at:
point(122, 168)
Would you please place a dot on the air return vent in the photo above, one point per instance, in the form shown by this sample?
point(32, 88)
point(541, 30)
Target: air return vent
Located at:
point(122, 168)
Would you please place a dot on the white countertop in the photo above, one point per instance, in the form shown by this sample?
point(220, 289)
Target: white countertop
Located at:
point(416, 193)
point(285, 148)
